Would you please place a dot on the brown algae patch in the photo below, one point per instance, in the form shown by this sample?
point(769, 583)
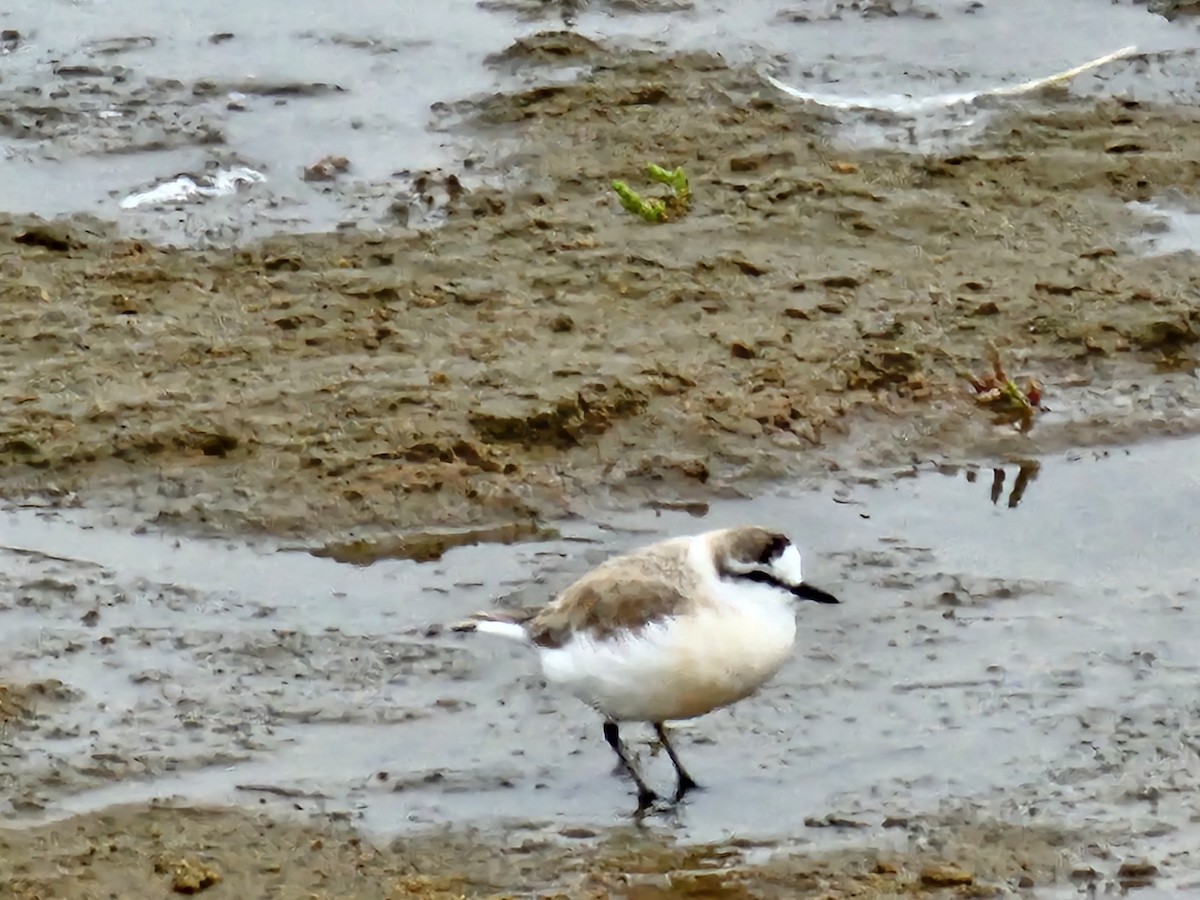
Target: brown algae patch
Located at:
point(20, 704)
point(12, 703)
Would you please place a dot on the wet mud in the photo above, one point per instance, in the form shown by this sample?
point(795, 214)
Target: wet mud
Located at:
point(163, 850)
point(253, 462)
point(542, 349)
point(999, 693)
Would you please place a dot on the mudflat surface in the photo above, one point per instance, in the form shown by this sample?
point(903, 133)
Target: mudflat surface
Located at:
point(494, 346)
point(998, 693)
point(166, 851)
point(543, 345)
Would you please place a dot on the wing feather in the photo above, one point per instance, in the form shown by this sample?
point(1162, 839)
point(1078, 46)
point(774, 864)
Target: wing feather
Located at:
point(626, 593)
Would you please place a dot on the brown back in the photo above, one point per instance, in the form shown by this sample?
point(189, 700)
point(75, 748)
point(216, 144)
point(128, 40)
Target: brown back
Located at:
point(627, 592)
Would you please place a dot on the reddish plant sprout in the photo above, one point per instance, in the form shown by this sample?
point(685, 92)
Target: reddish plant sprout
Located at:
point(998, 391)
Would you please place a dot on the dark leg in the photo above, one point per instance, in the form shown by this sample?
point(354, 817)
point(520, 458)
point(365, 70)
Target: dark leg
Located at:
point(646, 797)
point(686, 783)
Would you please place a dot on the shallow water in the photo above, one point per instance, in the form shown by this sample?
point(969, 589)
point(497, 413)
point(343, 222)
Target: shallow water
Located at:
point(937, 48)
point(1033, 661)
point(159, 95)
point(390, 69)
point(1172, 226)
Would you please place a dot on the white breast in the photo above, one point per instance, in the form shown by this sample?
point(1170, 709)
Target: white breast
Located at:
point(684, 666)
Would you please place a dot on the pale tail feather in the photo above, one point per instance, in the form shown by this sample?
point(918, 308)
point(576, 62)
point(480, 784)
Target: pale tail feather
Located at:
point(505, 625)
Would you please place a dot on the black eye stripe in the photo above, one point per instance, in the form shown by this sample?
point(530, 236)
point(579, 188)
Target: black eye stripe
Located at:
point(803, 591)
point(772, 551)
point(763, 578)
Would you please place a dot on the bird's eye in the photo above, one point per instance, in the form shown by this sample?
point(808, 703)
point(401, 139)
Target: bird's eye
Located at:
point(777, 545)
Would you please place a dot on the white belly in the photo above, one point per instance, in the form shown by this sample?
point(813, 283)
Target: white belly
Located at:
point(681, 667)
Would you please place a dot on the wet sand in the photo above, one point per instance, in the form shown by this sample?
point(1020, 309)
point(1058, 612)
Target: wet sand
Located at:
point(498, 377)
point(543, 350)
point(999, 692)
point(292, 861)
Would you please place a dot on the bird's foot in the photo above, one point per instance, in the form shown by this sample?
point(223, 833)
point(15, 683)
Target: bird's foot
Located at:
point(646, 800)
point(686, 785)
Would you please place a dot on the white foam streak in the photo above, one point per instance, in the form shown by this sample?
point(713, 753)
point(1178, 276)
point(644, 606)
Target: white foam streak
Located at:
point(185, 188)
point(902, 104)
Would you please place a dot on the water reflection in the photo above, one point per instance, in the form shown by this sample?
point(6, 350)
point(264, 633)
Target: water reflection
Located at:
point(1027, 473)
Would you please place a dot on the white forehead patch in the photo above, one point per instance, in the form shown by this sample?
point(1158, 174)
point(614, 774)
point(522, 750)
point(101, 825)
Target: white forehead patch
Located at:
point(787, 566)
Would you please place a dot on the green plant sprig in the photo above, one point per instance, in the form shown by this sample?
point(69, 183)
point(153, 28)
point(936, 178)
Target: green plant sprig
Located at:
point(654, 210)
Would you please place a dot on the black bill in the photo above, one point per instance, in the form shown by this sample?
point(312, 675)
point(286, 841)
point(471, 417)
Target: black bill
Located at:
point(807, 592)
